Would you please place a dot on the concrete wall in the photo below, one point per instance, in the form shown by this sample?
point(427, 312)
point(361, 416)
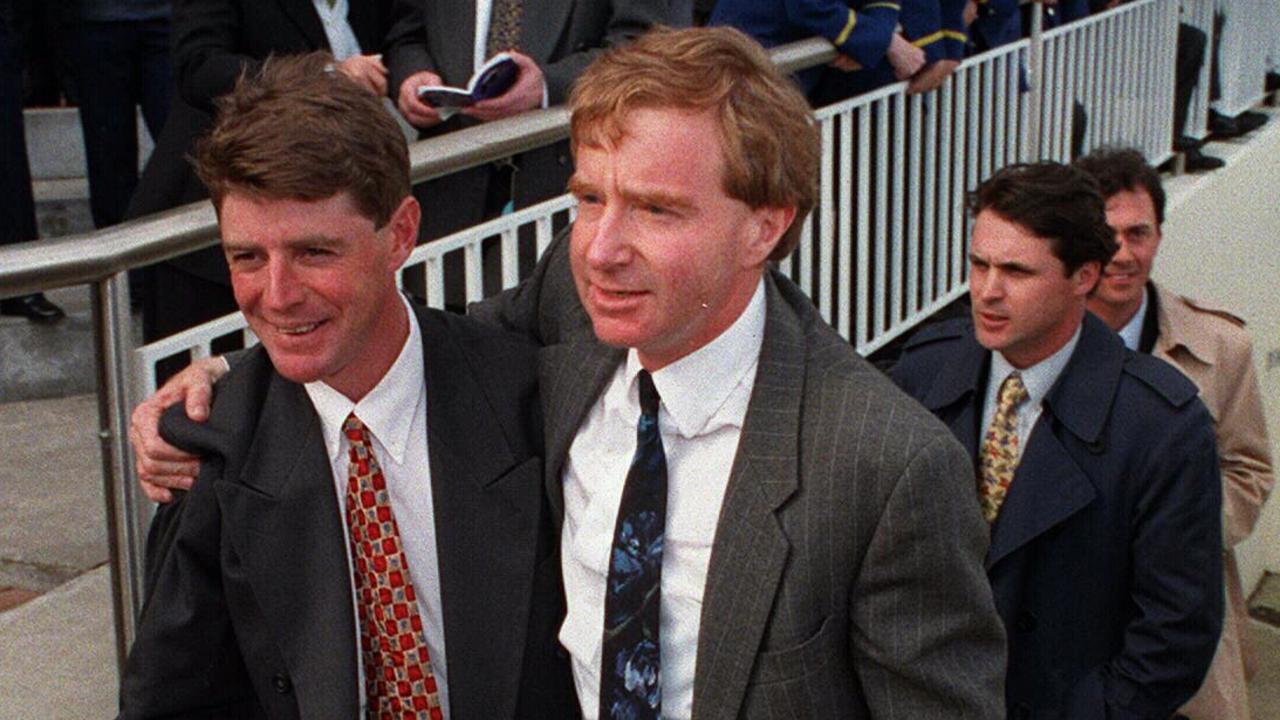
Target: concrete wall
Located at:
point(1222, 245)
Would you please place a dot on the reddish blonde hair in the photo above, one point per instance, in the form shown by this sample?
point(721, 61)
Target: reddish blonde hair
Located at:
point(768, 135)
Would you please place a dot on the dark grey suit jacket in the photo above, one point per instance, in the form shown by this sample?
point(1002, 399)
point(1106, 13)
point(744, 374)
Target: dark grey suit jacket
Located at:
point(251, 614)
point(846, 575)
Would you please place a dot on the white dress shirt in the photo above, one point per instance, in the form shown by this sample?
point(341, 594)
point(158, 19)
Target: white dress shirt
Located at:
point(337, 29)
point(395, 412)
point(1038, 379)
point(1131, 333)
point(704, 401)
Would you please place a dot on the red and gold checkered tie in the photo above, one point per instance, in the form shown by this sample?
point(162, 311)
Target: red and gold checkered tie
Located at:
point(1000, 447)
point(398, 680)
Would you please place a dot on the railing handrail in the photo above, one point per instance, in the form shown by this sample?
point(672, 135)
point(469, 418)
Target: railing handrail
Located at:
point(88, 257)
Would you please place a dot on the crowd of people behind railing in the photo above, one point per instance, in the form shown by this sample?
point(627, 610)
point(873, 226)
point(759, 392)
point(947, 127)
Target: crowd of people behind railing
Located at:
point(109, 56)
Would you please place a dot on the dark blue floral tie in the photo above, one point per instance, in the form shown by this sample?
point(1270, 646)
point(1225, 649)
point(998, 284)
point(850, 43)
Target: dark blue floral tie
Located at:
point(630, 677)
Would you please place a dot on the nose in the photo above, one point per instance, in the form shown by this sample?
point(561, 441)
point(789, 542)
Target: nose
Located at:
point(608, 245)
point(1123, 253)
point(282, 289)
point(987, 286)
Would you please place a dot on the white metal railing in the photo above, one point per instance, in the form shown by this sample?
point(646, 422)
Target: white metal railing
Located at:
point(886, 246)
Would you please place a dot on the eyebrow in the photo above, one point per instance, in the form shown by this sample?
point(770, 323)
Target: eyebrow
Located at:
point(1007, 265)
point(578, 186)
point(293, 244)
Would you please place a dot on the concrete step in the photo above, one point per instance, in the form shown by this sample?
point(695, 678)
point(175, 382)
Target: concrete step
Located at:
point(55, 144)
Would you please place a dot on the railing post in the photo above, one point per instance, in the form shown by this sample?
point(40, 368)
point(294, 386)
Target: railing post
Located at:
point(1035, 78)
point(125, 532)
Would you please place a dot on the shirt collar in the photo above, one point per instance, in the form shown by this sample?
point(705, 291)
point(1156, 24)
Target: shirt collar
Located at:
point(388, 409)
point(1039, 378)
point(1131, 333)
point(695, 388)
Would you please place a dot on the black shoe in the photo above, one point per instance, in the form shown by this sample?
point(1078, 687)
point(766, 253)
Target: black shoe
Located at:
point(35, 308)
point(1221, 126)
point(1197, 161)
point(1250, 120)
point(1186, 143)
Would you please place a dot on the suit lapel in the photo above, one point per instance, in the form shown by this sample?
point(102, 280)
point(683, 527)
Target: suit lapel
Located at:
point(303, 14)
point(750, 550)
point(1047, 488)
point(486, 524)
point(956, 396)
point(283, 520)
point(572, 376)
point(1049, 485)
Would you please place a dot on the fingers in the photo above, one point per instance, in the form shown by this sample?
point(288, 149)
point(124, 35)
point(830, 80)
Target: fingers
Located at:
point(368, 70)
point(155, 493)
point(159, 464)
point(525, 94)
point(197, 402)
point(845, 63)
point(418, 113)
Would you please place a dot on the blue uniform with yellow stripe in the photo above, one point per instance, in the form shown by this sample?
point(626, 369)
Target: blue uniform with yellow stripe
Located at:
point(934, 26)
point(859, 29)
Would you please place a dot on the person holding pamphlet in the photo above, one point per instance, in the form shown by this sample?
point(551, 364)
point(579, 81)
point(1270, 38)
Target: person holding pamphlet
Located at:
point(550, 42)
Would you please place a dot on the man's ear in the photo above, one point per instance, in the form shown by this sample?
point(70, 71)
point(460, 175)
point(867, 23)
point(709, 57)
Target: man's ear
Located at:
point(1085, 278)
point(403, 229)
point(769, 225)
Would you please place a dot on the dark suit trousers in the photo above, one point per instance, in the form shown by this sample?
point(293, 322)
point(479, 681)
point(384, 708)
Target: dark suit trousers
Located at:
point(17, 204)
point(1190, 58)
point(117, 66)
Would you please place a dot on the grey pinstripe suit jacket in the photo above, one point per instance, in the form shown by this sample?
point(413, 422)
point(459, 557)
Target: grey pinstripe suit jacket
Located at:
point(846, 575)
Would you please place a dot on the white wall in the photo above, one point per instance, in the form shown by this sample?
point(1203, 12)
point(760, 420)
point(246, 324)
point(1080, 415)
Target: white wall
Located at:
point(1222, 245)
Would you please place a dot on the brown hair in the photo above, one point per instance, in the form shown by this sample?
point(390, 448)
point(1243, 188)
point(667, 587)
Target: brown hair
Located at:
point(298, 130)
point(767, 131)
point(1121, 168)
point(1054, 201)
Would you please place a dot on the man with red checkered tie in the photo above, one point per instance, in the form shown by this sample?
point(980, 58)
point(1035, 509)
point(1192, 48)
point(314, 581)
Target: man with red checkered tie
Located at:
point(369, 535)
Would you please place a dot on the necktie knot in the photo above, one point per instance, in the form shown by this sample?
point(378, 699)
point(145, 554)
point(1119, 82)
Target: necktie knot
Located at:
point(354, 429)
point(1012, 391)
point(648, 395)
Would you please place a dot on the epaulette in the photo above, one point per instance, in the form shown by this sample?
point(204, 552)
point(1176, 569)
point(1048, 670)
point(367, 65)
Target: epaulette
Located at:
point(1201, 307)
point(1166, 380)
point(935, 332)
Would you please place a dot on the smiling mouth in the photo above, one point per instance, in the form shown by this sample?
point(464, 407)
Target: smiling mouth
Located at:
point(297, 329)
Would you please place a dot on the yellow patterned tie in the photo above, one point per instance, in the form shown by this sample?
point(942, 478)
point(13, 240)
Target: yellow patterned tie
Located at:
point(999, 457)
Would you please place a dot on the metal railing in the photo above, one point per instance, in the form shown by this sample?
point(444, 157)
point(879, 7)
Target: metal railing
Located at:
point(885, 247)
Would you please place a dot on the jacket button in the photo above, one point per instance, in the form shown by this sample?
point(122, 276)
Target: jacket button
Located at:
point(1022, 711)
point(1026, 622)
point(281, 683)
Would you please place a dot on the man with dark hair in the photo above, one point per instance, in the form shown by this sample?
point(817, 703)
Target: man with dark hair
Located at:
point(754, 522)
point(368, 535)
point(1095, 466)
point(1213, 349)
